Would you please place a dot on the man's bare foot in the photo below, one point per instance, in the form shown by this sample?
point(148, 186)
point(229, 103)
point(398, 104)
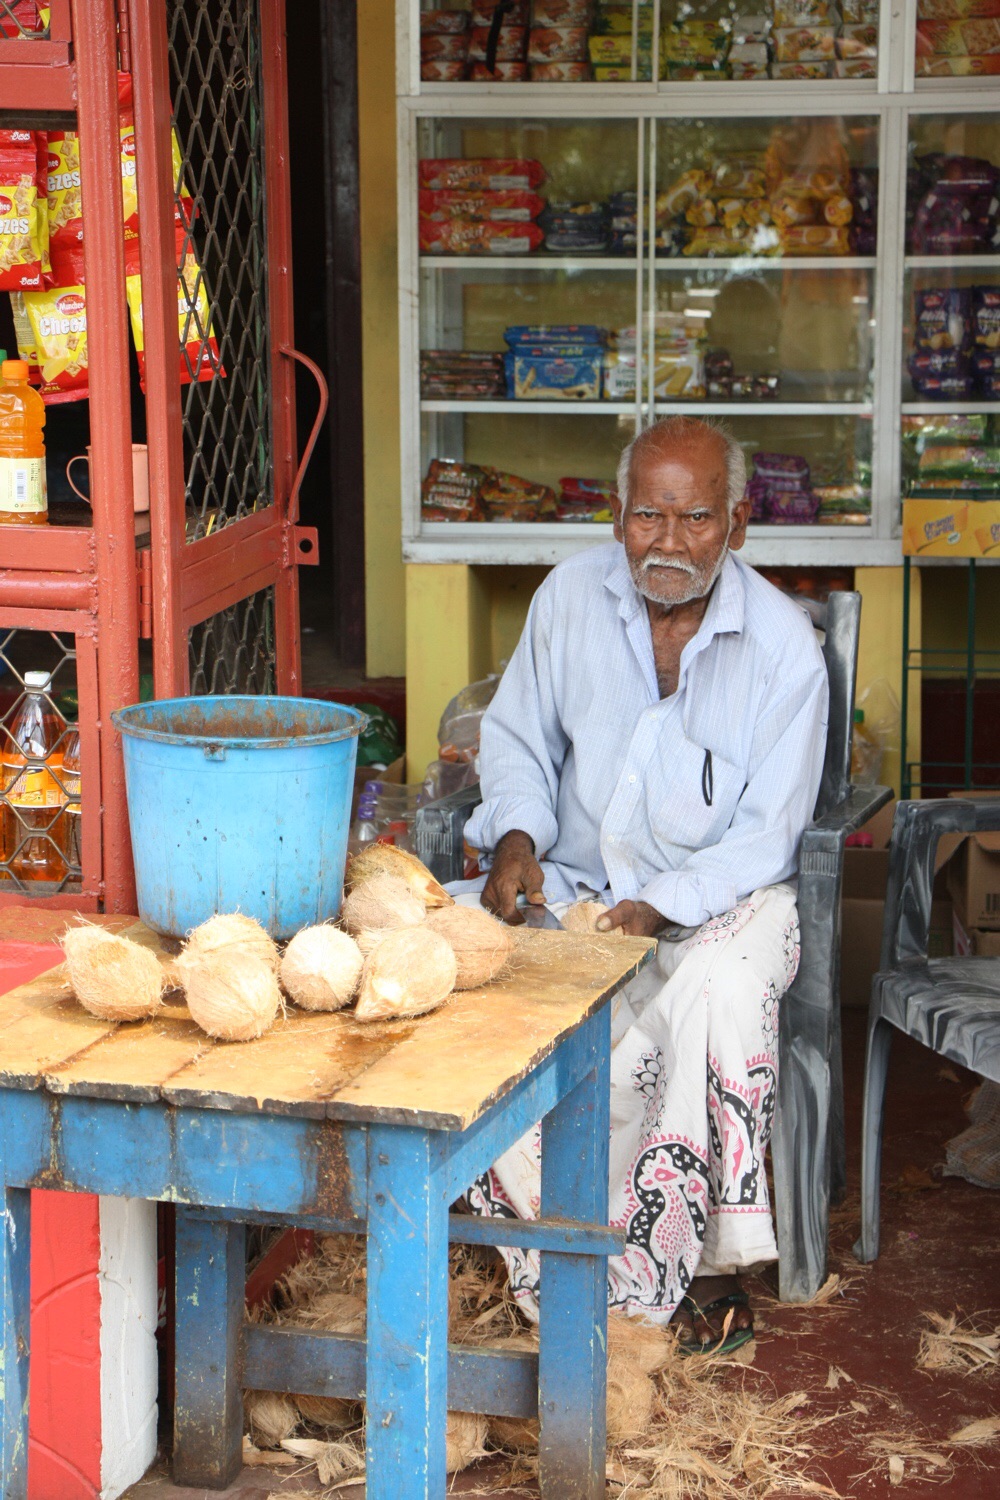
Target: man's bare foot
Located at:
point(701, 1316)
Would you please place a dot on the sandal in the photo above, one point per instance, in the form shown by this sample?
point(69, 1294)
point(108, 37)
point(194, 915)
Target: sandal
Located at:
point(728, 1344)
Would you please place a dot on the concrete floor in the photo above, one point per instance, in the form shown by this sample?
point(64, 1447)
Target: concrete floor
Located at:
point(939, 1253)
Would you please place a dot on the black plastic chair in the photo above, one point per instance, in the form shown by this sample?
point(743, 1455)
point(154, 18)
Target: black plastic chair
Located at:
point(952, 1005)
point(808, 1141)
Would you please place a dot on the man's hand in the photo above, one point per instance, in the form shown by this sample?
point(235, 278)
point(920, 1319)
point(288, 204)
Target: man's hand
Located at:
point(515, 869)
point(634, 918)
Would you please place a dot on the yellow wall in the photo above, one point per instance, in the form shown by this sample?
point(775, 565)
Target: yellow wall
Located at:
point(384, 575)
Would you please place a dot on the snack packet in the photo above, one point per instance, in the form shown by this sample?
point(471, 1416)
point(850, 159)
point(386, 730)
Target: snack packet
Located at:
point(58, 321)
point(26, 346)
point(199, 352)
point(21, 247)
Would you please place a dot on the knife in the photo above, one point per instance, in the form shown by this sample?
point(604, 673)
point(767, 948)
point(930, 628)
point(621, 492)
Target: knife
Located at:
point(538, 916)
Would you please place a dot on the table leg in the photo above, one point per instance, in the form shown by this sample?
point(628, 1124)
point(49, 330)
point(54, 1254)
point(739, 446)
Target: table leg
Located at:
point(15, 1257)
point(407, 1354)
point(573, 1303)
point(208, 1400)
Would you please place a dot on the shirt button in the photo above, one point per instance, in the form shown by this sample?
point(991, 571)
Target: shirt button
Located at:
point(631, 779)
point(611, 838)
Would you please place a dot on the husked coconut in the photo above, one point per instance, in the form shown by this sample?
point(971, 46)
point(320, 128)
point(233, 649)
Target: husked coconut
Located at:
point(321, 968)
point(231, 994)
point(270, 1416)
point(410, 972)
point(386, 859)
point(234, 931)
point(465, 1440)
point(584, 916)
point(112, 977)
point(383, 902)
point(482, 946)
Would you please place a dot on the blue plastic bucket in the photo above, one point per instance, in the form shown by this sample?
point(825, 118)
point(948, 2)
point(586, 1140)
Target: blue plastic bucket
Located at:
point(239, 804)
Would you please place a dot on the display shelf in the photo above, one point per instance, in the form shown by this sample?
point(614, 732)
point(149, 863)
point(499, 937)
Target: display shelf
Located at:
point(539, 408)
point(948, 408)
point(764, 408)
point(951, 262)
point(754, 263)
point(529, 262)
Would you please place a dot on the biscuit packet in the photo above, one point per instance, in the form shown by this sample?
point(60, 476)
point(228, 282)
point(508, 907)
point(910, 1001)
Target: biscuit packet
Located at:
point(22, 250)
point(64, 206)
point(57, 319)
point(27, 348)
point(199, 351)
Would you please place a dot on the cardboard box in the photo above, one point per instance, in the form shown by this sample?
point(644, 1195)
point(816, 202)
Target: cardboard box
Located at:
point(951, 528)
point(866, 875)
point(393, 772)
point(974, 882)
point(973, 943)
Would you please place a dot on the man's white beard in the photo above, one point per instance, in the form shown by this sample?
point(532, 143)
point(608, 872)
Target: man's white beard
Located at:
point(702, 580)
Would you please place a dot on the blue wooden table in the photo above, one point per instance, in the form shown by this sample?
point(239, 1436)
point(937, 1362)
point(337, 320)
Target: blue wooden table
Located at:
point(329, 1124)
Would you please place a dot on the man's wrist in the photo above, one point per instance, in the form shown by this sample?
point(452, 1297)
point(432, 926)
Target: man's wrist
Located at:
point(515, 839)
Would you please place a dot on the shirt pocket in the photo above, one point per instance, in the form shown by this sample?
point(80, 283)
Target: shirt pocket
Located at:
point(697, 796)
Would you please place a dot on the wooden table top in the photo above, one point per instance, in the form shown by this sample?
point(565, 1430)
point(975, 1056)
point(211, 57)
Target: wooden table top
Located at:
point(441, 1070)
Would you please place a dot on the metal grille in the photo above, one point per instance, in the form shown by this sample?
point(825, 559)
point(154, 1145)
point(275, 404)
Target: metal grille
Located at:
point(233, 652)
point(218, 115)
point(39, 798)
point(24, 19)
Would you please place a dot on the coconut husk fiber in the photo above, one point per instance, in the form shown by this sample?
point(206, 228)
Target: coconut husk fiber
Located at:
point(677, 1427)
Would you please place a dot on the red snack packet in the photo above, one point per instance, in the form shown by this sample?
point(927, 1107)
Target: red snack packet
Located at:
point(474, 174)
point(21, 226)
point(470, 237)
point(199, 352)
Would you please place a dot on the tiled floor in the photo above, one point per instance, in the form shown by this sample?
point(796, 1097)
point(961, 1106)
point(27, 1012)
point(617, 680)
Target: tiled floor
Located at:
point(940, 1243)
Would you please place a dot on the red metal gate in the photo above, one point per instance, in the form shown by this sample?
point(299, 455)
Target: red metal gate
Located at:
point(216, 587)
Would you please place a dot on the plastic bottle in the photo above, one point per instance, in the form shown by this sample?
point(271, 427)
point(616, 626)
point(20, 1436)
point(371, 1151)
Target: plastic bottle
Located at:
point(363, 830)
point(71, 798)
point(398, 833)
point(31, 811)
point(23, 492)
point(866, 753)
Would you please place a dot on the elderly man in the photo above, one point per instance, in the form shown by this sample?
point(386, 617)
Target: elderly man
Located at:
point(657, 741)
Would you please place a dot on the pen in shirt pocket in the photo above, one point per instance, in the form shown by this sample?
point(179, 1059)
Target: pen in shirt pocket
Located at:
point(707, 785)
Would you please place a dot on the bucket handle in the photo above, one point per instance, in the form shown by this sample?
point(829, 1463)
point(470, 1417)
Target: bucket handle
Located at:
point(215, 752)
point(324, 401)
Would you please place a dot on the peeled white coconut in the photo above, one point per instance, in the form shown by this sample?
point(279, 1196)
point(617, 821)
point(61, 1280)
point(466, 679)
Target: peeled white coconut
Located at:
point(584, 916)
point(411, 971)
point(383, 902)
point(112, 977)
point(482, 946)
point(233, 930)
point(231, 994)
point(321, 968)
point(386, 859)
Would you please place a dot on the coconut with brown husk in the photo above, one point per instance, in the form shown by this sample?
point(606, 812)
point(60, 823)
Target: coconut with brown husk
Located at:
point(226, 932)
point(386, 859)
point(112, 977)
point(382, 904)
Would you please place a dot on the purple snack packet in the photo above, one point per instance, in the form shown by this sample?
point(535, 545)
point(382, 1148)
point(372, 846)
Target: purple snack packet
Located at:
point(791, 506)
point(943, 318)
point(938, 362)
point(789, 468)
point(757, 492)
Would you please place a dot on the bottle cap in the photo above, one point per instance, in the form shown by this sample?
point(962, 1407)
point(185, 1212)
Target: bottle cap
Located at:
point(37, 679)
point(400, 826)
point(14, 369)
point(859, 716)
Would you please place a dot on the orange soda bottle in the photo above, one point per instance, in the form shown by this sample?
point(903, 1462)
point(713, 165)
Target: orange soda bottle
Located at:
point(32, 805)
point(23, 493)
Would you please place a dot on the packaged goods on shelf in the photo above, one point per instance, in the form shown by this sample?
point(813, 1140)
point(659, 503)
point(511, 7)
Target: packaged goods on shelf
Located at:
point(975, 37)
point(451, 491)
point(960, 461)
point(748, 60)
point(806, 13)
point(956, 10)
point(794, 44)
point(515, 15)
point(512, 42)
point(953, 207)
point(511, 205)
point(457, 374)
point(751, 30)
point(22, 224)
point(199, 357)
point(620, 366)
point(803, 72)
point(504, 72)
point(557, 44)
point(961, 427)
point(843, 504)
point(476, 174)
point(449, 46)
point(585, 500)
point(57, 317)
point(475, 237)
point(576, 228)
point(780, 490)
point(854, 11)
point(561, 13)
point(441, 22)
point(858, 41)
point(942, 318)
point(560, 72)
point(958, 67)
point(508, 497)
point(554, 363)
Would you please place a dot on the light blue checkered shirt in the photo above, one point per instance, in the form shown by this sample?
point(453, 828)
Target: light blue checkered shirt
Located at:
point(614, 784)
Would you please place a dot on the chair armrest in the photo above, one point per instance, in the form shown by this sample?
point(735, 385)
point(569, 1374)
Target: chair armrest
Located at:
point(438, 831)
point(916, 829)
point(860, 804)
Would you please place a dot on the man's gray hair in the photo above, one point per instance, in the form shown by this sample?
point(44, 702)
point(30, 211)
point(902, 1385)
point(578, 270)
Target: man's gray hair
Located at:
point(683, 430)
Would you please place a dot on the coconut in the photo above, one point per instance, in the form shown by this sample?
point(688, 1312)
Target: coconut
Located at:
point(383, 902)
point(482, 946)
point(386, 859)
point(270, 1416)
point(232, 994)
point(465, 1440)
point(328, 1411)
point(234, 931)
point(321, 968)
point(583, 917)
point(112, 977)
point(408, 973)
